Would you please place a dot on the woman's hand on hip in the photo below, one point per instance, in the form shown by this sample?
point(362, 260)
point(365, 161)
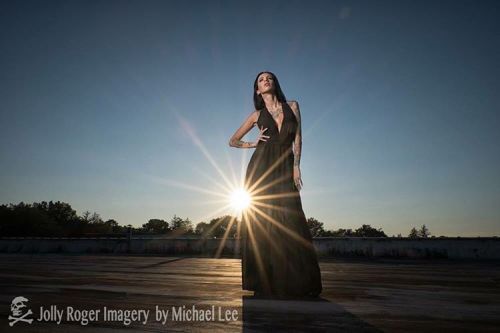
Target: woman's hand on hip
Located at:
point(261, 136)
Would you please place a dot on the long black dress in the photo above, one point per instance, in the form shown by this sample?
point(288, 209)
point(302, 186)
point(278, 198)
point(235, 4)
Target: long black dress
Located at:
point(278, 257)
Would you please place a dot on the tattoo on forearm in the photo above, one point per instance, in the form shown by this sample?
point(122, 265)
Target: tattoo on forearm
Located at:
point(297, 144)
point(242, 144)
point(296, 152)
point(296, 155)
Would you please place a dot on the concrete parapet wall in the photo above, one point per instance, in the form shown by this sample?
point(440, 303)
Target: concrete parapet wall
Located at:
point(144, 245)
point(452, 248)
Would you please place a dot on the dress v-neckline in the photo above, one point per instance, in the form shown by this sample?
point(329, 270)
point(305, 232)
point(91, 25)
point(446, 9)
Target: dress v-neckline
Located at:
point(279, 128)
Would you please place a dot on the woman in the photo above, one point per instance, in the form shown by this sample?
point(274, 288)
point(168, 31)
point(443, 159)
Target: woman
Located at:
point(278, 258)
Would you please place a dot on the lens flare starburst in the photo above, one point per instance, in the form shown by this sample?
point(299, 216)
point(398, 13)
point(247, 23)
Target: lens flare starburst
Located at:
point(240, 199)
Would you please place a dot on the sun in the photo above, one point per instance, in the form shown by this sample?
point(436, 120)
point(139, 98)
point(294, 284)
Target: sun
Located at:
point(240, 199)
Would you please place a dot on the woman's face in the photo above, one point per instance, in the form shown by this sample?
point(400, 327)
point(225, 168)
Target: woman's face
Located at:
point(265, 83)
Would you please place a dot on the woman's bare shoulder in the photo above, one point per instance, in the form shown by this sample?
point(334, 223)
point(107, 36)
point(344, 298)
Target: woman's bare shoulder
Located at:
point(254, 116)
point(293, 103)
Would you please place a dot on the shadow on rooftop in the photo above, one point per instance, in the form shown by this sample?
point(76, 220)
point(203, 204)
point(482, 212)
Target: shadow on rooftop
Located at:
point(306, 314)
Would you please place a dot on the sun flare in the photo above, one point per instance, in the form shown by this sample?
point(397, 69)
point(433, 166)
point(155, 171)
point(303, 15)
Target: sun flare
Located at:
point(239, 199)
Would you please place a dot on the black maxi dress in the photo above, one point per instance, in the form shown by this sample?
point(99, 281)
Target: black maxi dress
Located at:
point(278, 257)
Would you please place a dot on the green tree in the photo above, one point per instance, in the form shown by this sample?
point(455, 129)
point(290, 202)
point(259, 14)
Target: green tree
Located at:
point(156, 226)
point(341, 233)
point(25, 220)
point(61, 212)
point(86, 216)
point(315, 227)
point(94, 225)
point(114, 226)
point(181, 226)
point(202, 228)
point(424, 232)
point(95, 219)
point(218, 227)
point(51, 219)
point(367, 231)
point(413, 233)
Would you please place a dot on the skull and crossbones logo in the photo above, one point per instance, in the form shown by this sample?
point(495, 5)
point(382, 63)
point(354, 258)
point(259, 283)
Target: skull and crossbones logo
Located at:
point(17, 308)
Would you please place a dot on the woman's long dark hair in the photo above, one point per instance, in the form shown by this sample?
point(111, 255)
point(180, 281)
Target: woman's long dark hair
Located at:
point(258, 101)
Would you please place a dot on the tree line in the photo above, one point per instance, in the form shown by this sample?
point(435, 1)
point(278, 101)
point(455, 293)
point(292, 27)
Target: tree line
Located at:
point(59, 219)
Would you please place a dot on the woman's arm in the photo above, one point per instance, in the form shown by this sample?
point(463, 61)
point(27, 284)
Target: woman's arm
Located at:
point(247, 125)
point(297, 143)
point(297, 146)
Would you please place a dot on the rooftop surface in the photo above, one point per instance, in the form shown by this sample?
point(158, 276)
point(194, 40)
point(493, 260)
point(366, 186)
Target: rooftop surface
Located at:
point(358, 295)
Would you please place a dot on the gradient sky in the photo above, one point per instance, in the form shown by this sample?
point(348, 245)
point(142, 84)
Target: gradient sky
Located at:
point(102, 102)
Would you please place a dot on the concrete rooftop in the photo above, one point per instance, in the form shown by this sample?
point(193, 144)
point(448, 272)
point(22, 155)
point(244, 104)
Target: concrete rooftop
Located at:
point(359, 295)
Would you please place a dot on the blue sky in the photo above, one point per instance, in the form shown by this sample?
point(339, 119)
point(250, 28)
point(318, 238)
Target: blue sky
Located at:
point(399, 101)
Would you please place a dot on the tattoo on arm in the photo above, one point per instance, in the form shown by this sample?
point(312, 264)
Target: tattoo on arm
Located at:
point(242, 144)
point(247, 125)
point(297, 150)
point(297, 144)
